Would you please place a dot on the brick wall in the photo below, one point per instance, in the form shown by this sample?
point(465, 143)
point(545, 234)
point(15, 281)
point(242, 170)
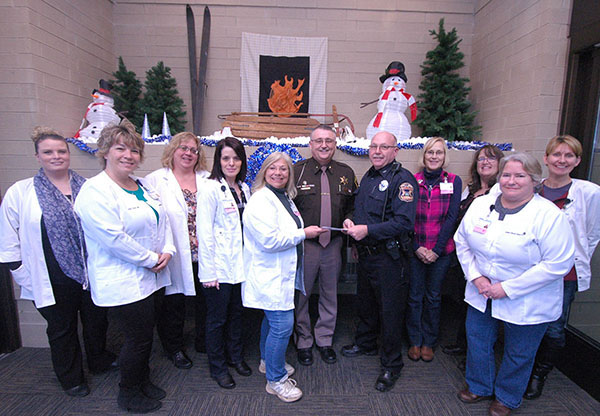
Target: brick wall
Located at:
point(518, 66)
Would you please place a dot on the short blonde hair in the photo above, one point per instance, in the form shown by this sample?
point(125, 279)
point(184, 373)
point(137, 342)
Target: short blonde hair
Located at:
point(41, 133)
point(112, 135)
point(428, 145)
point(175, 142)
point(570, 141)
point(530, 165)
point(260, 181)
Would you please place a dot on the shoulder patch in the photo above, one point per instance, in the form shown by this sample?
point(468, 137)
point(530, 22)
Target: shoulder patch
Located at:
point(406, 193)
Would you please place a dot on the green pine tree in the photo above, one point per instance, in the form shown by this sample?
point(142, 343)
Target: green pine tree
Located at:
point(127, 90)
point(162, 96)
point(443, 104)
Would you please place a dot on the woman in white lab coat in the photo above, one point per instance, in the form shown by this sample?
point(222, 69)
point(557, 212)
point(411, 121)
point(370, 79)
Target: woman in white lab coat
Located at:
point(580, 202)
point(178, 183)
point(129, 245)
point(273, 250)
point(42, 242)
point(514, 249)
point(221, 267)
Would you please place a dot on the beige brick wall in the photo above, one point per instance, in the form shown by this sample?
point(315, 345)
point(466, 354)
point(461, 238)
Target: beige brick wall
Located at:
point(519, 58)
point(364, 37)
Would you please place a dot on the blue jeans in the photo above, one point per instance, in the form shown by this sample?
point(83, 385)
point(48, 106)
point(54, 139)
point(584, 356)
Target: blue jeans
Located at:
point(424, 300)
point(520, 345)
point(555, 334)
point(275, 333)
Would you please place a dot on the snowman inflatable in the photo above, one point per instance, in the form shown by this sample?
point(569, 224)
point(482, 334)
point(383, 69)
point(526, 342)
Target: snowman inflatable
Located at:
point(392, 104)
point(99, 114)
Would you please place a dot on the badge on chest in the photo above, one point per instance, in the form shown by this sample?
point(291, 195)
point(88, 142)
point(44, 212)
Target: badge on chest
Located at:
point(446, 188)
point(482, 225)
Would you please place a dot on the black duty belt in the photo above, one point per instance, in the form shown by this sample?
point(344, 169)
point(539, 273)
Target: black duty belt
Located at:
point(371, 250)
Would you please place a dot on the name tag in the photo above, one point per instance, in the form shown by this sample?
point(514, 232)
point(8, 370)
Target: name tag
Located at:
point(230, 207)
point(481, 226)
point(446, 188)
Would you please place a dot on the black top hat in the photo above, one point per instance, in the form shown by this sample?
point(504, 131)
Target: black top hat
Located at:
point(394, 69)
point(105, 88)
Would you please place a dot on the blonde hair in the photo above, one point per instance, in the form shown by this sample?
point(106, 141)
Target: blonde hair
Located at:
point(112, 135)
point(260, 181)
point(41, 133)
point(175, 142)
point(428, 145)
point(570, 141)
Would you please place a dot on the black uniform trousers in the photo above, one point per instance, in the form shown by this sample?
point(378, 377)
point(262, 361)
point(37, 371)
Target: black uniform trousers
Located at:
point(170, 317)
point(223, 326)
point(382, 291)
point(73, 302)
point(136, 322)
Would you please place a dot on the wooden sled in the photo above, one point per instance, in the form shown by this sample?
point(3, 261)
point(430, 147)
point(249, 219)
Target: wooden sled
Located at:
point(262, 125)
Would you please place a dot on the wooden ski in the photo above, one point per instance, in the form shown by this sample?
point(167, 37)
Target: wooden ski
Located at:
point(201, 89)
point(191, 33)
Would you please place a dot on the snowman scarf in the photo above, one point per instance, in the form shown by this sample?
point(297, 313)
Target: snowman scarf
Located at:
point(409, 98)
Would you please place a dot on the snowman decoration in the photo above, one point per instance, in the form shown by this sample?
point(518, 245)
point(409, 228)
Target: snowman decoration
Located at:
point(99, 114)
point(392, 104)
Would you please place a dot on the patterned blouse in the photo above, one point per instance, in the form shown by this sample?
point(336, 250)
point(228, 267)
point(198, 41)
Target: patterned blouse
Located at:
point(190, 200)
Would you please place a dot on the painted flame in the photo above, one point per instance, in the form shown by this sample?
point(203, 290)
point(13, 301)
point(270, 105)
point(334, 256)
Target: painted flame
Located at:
point(283, 98)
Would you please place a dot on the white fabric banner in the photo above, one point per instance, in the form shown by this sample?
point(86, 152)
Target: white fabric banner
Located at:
point(254, 45)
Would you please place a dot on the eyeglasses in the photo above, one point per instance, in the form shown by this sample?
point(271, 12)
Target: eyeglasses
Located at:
point(434, 153)
point(486, 159)
point(321, 141)
point(383, 147)
point(188, 149)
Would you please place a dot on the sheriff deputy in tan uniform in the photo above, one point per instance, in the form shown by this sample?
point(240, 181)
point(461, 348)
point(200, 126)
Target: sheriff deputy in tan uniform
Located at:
point(325, 198)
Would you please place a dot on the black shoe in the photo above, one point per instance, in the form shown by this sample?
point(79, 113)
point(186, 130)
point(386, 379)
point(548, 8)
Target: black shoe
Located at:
point(225, 381)
point(134, 401)
point(81, 390)
point(386, 380)
point(327, 354)
point(535, 387)
point(181, 360)
point(305, 356)
point(354, 351)
point(454, 349)
point(152, 391)
point(241, 368)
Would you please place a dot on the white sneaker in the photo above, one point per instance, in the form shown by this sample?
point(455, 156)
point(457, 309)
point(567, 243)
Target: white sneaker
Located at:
point(288, 367)
point(286, 390)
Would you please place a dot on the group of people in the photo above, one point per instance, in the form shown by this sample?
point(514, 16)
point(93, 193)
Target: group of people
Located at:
point(131, 249)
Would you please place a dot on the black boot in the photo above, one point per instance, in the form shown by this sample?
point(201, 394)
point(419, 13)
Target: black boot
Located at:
point(537, 380)
point(133, 400)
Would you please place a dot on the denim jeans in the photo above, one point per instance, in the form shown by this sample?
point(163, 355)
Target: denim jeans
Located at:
point(424, 300)
point(555, 334)
point(520, 345)
point(275, 333)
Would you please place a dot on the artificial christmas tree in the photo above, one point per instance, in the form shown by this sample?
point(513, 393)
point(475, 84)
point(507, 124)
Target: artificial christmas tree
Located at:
point(161, 96)
point(443, 104)
point(127, 91)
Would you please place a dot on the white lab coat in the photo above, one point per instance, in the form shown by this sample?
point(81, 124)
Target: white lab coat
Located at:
point(122, 239)
point(219, 232)
point(582, 212)
point(21, 240)
point(180, 266)
point(270, 239)
point(528, 252)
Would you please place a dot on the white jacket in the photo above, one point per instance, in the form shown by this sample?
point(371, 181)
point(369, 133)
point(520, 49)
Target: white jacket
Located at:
point(122, 239)
point(180, 266)
point(270, 239)
point(582, 211)
point(21, 240)
point(219, 232)
point(528, 252)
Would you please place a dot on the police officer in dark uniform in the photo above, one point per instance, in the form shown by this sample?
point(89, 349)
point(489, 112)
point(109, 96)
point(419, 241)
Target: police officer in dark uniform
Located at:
point(383, 223)
point(325, 198)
